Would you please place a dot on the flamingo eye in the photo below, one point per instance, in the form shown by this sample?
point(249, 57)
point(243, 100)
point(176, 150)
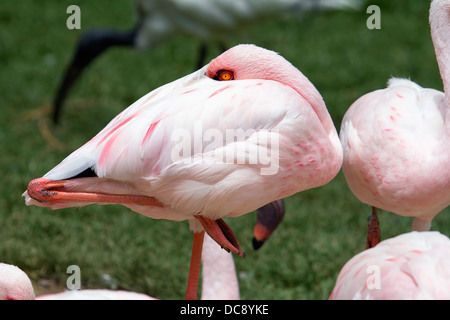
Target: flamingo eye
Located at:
point(224, 75)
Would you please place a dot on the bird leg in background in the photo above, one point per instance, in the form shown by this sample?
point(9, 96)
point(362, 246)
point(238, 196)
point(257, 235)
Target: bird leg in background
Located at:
point(90, 45)
point(194, 270)
point(202, 53)
point(373, 230)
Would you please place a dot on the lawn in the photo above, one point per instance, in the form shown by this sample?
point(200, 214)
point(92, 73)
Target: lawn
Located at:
point(117, 248)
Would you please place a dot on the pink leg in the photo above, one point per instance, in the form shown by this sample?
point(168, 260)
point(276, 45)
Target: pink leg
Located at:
point(373, 230)
point(194, 270)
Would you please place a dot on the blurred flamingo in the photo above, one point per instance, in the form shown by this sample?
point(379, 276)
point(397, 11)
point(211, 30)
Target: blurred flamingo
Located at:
point(161, 20)
point(396, 141)
point(414, 265)
point(14, 284)
point(219, 281)
point(170, 155)
point(219, 278)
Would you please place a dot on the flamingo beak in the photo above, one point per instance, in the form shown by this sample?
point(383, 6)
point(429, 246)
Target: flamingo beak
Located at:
point(57, 192)
point(268, 219)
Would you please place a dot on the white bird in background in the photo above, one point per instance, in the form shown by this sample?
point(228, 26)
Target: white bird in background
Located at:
point(219, 281)
point(396, 141)
point(413, 265)
point(243, 131)
point(209, 21)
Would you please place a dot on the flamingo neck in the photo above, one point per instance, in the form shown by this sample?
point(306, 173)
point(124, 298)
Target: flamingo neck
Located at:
point(219, 279)
point(440, 34)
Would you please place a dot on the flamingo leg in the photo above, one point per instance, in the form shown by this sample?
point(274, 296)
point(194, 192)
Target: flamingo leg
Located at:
point(194, 270)
point(373, 230)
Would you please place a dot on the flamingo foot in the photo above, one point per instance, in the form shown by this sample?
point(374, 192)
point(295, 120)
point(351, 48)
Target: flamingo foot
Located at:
point(373, 230)
point(221, 233)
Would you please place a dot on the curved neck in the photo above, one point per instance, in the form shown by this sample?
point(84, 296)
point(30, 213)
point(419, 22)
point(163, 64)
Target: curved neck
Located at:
point(219, 280)
point(440, 33)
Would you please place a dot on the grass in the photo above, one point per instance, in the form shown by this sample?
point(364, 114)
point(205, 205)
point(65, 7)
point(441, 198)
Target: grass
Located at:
point(323, 228)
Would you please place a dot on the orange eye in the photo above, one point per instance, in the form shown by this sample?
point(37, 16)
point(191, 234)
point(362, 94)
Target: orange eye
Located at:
point(224, 75)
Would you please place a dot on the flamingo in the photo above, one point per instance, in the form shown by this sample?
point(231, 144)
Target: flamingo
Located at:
point(245, 130)
point(396, 141)
point(219, 278)
point(161, 20)
point(414, 265)
point(219, 281)
point(14, 284)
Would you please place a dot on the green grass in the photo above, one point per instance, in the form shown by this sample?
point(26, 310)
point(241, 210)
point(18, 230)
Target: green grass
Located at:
point(323, 227)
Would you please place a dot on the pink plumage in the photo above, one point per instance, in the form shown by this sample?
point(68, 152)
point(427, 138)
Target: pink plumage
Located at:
point(140, 152)
point(396, 140)
point(414, 265)
point(200, 149)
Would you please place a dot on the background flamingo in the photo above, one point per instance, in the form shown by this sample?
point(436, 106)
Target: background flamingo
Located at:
point(414, 265)
point(219, 281)
point(132, 160)
point(396, 141)
point(160, 20)
point(219, 278)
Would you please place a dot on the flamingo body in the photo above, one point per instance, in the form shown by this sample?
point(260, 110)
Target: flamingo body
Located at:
point(396, 140)
point(414, 265)
point(243, 131)
point(139, 151)
point(391, 140)
point(14, 283)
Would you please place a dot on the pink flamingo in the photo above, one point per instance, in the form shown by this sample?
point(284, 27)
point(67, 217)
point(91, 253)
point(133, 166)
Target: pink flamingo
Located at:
point(414, 265)
point(218, 274)
point(396, 141)
point(243, 131)
point(15, 285)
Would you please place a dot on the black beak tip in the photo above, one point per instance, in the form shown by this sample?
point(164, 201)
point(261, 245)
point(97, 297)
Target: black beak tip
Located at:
point(257, 243)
